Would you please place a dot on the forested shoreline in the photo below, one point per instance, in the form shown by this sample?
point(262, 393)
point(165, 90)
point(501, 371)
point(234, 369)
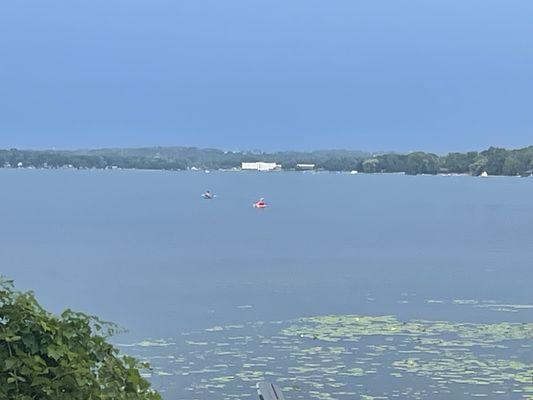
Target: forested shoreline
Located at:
point(493, 161)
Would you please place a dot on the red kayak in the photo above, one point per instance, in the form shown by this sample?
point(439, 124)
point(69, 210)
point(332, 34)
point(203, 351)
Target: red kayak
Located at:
point(260, 204)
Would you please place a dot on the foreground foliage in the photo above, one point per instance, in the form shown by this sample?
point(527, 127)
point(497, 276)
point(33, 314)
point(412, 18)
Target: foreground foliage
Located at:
point(46, 357)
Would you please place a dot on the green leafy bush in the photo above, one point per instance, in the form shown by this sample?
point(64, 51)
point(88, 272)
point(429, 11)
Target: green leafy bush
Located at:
point(45, 357)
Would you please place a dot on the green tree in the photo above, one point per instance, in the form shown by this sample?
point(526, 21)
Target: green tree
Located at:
point(371, 165)
point(458, 162)
point(422, 163)
point(513, 165)
point(478, 166)
point(495, 160)
point(67, 357)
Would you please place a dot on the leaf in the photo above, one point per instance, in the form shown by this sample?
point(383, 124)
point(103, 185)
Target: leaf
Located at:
point(10, 362)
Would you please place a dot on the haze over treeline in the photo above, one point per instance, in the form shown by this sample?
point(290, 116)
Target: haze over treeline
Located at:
point(493, 161)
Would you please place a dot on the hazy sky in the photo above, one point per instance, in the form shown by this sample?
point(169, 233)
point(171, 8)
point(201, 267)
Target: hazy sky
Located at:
point(437, 75)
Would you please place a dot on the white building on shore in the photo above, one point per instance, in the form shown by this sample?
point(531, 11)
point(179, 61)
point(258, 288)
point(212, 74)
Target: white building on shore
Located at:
point(305, 167)
point(260, 166)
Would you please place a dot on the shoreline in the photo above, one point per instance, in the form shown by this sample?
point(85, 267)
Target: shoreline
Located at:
point(281, 171)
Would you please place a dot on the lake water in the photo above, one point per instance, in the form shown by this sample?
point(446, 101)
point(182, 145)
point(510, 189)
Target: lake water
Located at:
point(142, 248)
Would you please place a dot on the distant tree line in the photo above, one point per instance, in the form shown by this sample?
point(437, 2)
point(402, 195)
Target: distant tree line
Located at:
point(494, 161)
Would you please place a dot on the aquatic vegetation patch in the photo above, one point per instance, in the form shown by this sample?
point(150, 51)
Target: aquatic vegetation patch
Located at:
point(491, 305)
point(343, 356)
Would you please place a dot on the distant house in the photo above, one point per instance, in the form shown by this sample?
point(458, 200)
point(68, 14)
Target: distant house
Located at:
point(260, 166)
point(305, 167)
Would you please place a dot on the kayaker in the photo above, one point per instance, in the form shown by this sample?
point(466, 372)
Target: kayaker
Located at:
point(260, 203)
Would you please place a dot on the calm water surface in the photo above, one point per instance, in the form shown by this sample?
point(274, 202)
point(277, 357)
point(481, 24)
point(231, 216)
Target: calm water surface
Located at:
point(143, 249)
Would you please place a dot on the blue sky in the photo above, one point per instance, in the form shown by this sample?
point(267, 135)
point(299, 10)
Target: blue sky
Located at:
point(437, 75)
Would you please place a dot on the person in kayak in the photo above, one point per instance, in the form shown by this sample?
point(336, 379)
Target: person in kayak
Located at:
point(260, 203)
